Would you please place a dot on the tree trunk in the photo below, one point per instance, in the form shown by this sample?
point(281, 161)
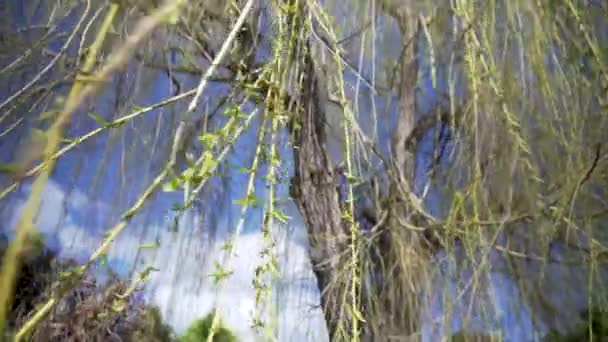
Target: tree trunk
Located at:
point(405, 252)
point(403, 156)
point(314, 191)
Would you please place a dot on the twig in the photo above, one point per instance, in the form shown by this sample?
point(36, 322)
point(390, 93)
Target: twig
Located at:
point(27, 53)
point(347, 63)
point(593, 166)
point(220, 56)
point(51, 64)
point(78, 141)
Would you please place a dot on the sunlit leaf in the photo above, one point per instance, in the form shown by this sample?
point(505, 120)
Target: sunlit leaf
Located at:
point(118, 305)
point(209, 139)
point(98, 118)
point(249, 201)
point(174, 185)
point(150, 245)
point(209, 164)
point(279, 216)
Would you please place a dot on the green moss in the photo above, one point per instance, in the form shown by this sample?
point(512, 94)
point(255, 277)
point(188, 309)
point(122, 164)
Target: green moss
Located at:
point(199, 331)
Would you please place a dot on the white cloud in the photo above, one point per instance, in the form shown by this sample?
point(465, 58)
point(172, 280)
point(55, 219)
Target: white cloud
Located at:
point(185, 291)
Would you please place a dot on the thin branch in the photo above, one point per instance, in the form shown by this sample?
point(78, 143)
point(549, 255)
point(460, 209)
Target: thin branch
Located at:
point(354, 34)
point(335, 52)
point(221, 55)
point(52, 63)
point(27, 53)
point(427, 122)
point(79, 140)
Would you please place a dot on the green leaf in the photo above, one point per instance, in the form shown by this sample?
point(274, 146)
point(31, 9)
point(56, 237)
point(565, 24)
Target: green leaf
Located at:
point(276, 162)
point(358, 315)
point(274, 267)
point(72, 271)
point(278, 115)
point(9, 168)
point(347, 216)
point(150, 245)
point(257, 323)
point(353, 179)
point(220, 273)
point(251, 87)
point(209, 164)
point(209, 139)
point(145, 274)
point(232, 111)
point(270, 179)
point(288, 8)
point(119, 305)
point(98, 118)
point(65, 274)
point(227, 130)
point(279, 216)
point(227, 246)
point(104, 260)
point(188, 174)
point(178, 207)
point(174, 185)
point(245, 170)
point(249, 201)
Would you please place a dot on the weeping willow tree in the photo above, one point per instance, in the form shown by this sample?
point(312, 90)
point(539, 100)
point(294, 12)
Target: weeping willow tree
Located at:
point(422, 139)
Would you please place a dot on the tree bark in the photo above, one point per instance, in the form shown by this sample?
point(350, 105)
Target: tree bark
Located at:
point(314, 191)
point(406, 119)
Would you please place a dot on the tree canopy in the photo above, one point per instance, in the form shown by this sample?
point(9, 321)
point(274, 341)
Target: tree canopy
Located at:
point(434, 149)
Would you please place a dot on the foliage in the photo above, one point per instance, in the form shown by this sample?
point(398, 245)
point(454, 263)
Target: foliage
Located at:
point(200, 329)
point(150, 326)
point(88, 312)
point(592, 327)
